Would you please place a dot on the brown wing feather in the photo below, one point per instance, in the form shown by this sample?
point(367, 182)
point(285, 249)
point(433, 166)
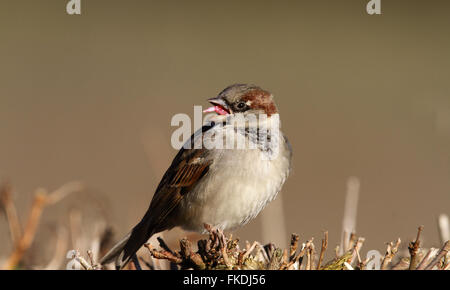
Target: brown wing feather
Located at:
point(187, 168)
point(174, 187)
point(188, 174)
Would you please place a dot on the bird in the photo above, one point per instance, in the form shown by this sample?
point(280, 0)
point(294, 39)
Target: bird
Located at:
point(224, 187)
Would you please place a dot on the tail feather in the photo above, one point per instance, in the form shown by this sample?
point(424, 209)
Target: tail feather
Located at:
point(115, 251)
point(124, 250)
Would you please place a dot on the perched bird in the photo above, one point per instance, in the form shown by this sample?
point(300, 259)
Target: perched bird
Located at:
point(220, 186)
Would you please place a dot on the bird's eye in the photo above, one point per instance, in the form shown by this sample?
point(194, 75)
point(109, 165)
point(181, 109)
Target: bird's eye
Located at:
point(241, 105)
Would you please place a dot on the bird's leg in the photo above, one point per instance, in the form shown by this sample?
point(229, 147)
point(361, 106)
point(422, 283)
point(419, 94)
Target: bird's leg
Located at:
point(213, 235)
point(209, 227)
point(223, 247)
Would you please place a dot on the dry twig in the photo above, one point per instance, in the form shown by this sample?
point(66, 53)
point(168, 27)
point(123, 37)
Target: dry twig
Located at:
point(323, 249)
point(426, 260)
point(442, 253)
point(390, 253)
point(7, 203)
point(414, 248)
point(41, 199)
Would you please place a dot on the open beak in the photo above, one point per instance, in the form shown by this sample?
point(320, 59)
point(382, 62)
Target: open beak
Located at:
point(219, 106)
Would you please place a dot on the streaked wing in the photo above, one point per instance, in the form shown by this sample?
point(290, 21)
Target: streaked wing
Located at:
point(187, 168)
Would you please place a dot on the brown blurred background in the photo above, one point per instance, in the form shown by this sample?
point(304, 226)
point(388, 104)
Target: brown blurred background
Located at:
point(91, 97)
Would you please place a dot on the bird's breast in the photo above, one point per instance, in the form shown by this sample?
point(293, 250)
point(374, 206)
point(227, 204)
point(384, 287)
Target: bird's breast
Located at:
point(238, 185)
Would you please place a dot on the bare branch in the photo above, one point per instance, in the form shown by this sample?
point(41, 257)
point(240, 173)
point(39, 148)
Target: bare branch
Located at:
point(442, 253)
point(41, 199)
point(8, 204)
point(414, 248)
point(390, 253)
point(323, 249)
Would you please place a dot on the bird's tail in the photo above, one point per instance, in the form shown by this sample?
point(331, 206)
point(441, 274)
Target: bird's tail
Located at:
point(124, 250)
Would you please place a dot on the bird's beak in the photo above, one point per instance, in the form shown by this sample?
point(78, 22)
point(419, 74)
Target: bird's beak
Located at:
point(220, 106)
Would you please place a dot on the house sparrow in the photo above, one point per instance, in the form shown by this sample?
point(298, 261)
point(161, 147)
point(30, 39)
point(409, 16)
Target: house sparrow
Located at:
point(222, 187)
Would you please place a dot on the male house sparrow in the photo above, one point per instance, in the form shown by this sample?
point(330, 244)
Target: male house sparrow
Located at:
point(222, 187)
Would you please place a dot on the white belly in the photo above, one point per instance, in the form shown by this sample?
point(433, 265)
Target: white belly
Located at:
point(236, 188)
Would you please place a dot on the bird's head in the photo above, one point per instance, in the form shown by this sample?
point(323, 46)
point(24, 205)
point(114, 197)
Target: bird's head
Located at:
point(243, 98)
